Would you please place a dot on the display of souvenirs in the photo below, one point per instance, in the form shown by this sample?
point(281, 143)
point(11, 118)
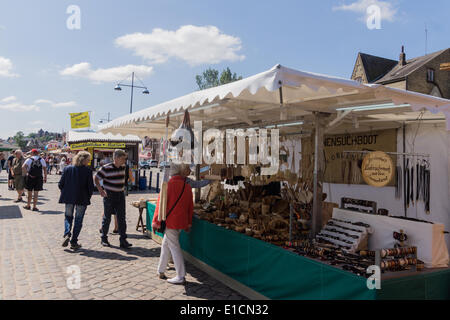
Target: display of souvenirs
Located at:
point(262, 212)
point(349, 236)
point(364, 206)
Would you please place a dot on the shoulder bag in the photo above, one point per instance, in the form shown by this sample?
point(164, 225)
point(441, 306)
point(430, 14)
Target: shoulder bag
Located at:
point(162, 228)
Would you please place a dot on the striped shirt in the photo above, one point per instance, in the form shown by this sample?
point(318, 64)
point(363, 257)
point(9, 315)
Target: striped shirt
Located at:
point(113, 177)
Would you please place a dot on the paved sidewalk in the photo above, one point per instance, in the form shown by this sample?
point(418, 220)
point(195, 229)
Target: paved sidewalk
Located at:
point(34, 265)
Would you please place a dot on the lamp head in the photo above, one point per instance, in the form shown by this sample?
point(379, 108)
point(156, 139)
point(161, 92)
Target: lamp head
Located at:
point(118, 88)
point(146, 91)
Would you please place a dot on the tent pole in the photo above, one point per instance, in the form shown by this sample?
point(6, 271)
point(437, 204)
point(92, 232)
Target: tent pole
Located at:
point(197, 178)
point(318, 167)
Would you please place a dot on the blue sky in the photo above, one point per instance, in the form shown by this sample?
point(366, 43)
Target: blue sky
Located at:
point(48, 70)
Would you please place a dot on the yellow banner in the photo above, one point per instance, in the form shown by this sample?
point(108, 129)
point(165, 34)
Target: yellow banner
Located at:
point(80, 120)
point(97, 145)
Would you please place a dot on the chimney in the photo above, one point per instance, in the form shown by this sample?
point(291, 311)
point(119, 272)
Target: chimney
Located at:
point(402, 60)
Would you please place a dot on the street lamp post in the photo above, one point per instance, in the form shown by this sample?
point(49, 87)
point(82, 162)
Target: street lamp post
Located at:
point(103, 120)
point(145, 91)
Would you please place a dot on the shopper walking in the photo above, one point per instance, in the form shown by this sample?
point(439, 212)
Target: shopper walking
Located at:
point(180, 208)
point(16, 172)
point(8, 169)
point(50, 165)
point(113, 177)
point(76, 185)
point(35, 172)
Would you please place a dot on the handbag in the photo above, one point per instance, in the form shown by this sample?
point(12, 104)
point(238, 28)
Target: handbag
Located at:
point(162, 227)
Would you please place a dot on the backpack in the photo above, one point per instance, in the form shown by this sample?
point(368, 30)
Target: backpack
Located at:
point(36, 168)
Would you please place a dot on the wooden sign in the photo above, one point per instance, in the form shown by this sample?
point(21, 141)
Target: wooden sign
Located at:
point(342, 167)
point(377, 169)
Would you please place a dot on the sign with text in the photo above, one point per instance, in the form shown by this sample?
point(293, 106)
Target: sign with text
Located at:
point(80, 120)
point(377, 169)
point(97, 145)
point(345, 167)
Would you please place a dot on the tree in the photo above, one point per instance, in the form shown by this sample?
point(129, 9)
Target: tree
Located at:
point(210, 78)
point(19, 138)
point(227, 76)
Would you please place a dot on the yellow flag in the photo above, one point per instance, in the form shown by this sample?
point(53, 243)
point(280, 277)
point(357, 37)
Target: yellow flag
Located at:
point(80, 120)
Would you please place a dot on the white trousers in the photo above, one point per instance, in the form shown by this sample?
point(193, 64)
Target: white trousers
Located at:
point(171, 245)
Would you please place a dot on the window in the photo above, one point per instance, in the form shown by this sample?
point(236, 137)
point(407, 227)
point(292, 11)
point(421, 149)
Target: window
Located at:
point(430, 75)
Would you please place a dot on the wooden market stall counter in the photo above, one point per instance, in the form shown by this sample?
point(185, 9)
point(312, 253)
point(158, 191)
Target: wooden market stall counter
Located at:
point(261, 270)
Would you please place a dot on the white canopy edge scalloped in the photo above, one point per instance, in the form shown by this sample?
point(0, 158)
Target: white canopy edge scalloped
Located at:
point(272, 80)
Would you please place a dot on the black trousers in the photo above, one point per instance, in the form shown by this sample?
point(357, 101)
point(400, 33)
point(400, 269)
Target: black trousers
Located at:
point(114, 203)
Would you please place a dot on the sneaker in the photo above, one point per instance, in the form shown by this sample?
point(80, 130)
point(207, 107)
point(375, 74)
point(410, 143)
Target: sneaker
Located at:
point(35, 209)
point(176, 280)
point(105, 243)
point(162, 275)
point(115, 231)
point(66, 240)
point(18, 200)
point(75, 246)
point(27, 207)
point(126, 245)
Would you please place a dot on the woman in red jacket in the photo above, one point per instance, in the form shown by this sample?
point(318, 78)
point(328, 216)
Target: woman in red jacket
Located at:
point(179, 218)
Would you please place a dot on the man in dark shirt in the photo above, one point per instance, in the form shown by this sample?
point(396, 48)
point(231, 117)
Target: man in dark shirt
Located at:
point(113, 176)
point(10, 177)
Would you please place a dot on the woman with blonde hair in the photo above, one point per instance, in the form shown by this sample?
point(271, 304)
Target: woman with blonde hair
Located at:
point(76, 185)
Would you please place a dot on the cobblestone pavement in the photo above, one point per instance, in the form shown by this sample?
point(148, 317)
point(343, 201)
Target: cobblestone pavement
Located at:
point(33, 264)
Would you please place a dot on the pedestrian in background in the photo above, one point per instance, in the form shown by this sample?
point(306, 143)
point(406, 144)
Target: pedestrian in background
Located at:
point(50, 165)
point(180, 206)
point(76, 185)
point(2, 161)
point(35, 172)
point(112, 191)
point(8, 169)
point(16, 172)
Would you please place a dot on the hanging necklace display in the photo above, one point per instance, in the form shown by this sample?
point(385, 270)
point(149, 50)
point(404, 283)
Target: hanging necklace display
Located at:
point(349, 175)
point(398, 182)
point(406, 187)
point(412, 184)
point(427, 188)
point(417, 180)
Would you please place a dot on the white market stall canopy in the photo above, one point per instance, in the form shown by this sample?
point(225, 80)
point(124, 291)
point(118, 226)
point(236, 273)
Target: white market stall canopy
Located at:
point(288, 98)
point(76, 137)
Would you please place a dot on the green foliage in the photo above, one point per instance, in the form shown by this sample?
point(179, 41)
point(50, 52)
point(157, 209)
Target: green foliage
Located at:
point(210, 78)
point(19, 138)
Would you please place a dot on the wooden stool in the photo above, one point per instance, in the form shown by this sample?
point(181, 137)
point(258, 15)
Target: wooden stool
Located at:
point(140, 223)
point(141, 205)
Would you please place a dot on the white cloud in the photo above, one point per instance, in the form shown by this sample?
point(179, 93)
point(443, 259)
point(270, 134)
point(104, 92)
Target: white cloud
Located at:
point(37, 122)
point(6, 67)
point(193, 44)
point(56, 104)
point(84, 70)
point(9, 99)
point(388, 11)
point(18, 107)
